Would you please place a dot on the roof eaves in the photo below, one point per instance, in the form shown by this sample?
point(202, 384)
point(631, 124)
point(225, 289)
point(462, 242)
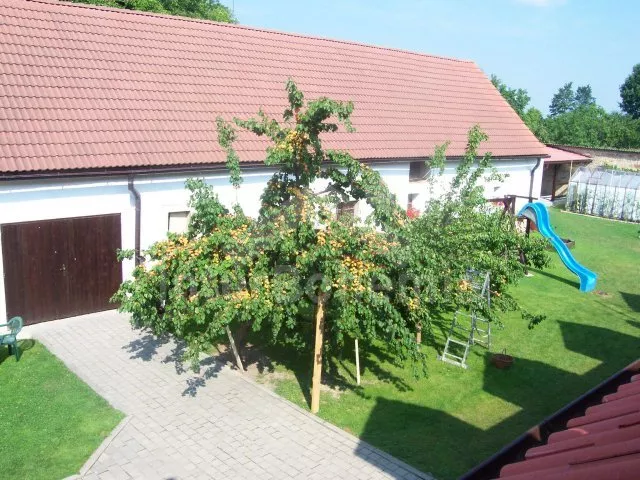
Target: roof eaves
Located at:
point(194, 167)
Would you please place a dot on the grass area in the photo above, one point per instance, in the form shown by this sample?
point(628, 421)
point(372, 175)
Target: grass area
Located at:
point(447, 423)
point(51, 422)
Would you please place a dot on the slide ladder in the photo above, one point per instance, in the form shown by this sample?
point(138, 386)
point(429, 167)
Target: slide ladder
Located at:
point(538, 214)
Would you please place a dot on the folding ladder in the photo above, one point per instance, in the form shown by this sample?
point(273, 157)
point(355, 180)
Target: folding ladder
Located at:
point(468, 329)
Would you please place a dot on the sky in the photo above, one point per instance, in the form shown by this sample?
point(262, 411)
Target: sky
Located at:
point(538, 45)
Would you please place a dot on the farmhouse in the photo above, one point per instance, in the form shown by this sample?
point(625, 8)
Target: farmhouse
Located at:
point(104, 113)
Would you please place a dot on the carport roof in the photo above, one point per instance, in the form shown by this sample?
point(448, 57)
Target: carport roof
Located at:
point(557, 155)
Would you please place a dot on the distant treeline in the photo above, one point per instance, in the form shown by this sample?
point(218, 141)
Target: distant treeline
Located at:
point(575, 118)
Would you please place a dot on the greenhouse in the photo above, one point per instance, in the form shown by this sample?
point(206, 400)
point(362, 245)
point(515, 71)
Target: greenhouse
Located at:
point(605, 193)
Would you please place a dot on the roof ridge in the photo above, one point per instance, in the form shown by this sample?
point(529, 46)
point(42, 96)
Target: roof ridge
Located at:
point(245, 27)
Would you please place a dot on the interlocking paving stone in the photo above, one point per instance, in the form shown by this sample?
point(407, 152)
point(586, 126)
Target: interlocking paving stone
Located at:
point(214, 424)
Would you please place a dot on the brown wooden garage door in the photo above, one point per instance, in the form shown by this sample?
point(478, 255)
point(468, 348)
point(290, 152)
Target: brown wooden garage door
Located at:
point(60, 268)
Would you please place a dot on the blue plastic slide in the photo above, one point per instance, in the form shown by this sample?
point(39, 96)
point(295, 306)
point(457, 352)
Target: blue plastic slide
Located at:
point(538, 214)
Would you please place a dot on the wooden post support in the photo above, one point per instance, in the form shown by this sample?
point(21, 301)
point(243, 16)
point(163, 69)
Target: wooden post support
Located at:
point(357, 363)
point(234, 349)
point(317, 355)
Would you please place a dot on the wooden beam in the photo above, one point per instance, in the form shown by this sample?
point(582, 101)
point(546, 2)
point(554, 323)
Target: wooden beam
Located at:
point(553, 183)
point(317, 355)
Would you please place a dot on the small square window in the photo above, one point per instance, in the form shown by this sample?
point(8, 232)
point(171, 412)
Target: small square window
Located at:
point(346, 210)
point(410, 199)
point(178, 222)
point(418, 171)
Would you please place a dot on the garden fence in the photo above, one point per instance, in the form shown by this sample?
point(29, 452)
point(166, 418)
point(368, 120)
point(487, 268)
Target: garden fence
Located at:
point(605, 193)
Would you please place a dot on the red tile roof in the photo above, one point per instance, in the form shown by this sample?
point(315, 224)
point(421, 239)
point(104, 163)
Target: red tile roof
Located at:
point(602, 444)
point(557, 155)
point(89, 87)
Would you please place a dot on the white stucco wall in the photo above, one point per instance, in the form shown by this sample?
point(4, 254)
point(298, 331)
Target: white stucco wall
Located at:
point(396, 176)
point(162, 194)
point(23, 201)
point(517, 181)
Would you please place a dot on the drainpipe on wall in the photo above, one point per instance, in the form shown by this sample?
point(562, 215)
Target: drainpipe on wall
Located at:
point(137, 202)
point(533, 173)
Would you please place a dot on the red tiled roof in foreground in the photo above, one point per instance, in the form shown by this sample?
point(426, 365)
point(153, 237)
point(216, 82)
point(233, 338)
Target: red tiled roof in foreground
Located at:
point(557, 155)
point(602, 444)
point(89, 87)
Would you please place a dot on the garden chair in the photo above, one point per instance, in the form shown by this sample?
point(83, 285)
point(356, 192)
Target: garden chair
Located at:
point(11, 339)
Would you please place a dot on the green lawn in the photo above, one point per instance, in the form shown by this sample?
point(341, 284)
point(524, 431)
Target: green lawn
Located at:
point(50, 421)
point(447, 423)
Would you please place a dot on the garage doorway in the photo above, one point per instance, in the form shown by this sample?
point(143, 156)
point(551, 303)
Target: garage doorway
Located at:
point(60, 268)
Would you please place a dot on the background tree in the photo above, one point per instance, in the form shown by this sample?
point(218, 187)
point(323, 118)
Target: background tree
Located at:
point(203, 9)
point(576, 119)
point(593, 126)
point(534, 119)
point(623, 131)
point(630, 93)
point(563, 101)
point(584, 96)
point(583, 126)
point(518, 98)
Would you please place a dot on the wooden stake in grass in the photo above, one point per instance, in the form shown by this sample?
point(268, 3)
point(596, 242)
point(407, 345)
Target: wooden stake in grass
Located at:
point(357, 363)
point(317, 355)
point(234, 349)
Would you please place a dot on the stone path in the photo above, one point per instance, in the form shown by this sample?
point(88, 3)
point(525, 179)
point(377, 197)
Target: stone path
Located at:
point(208, 426)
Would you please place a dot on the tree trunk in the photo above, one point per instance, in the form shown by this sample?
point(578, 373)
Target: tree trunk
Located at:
point(234, 349)
point(419, 333)
point(317, 355)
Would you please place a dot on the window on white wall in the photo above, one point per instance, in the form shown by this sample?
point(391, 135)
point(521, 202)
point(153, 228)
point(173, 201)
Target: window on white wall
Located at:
point(411, 199)
point(178, 222)
point(346, 210)
point(418, 171)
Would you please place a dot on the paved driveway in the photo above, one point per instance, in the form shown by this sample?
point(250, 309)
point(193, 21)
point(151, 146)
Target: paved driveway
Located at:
point(214, 425)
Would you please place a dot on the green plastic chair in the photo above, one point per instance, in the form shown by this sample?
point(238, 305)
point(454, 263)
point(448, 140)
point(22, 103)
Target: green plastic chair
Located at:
point(11, 339)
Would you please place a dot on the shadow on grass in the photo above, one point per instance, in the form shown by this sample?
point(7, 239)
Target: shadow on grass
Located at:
point(558, 278)
point(338, 375)
point(23, 345)
point(437, 442)
point(632, 299)
point(437, 333)
point(634, 323)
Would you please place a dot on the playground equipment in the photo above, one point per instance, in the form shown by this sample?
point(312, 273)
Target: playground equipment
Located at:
point(467, 329)
point(538, 214)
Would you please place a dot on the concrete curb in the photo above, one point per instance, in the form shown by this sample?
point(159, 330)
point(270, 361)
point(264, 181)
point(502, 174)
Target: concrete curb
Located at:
point(100, 450)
